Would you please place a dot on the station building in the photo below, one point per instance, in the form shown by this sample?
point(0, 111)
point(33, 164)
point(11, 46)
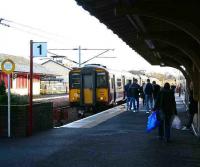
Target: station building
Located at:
point(20, 77)
point(60, 83)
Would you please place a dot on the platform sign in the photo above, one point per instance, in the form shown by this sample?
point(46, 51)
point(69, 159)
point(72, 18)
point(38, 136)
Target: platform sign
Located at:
point(8, 66)
point(39, 49)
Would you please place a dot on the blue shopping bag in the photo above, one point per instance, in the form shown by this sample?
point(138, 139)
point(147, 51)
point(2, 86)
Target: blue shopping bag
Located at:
point(152, 122)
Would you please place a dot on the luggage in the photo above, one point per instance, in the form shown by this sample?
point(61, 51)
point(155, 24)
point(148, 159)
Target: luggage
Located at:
point(152, 122)
point(176, 123)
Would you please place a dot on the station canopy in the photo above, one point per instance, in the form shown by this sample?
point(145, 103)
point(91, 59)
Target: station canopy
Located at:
point(164, 32)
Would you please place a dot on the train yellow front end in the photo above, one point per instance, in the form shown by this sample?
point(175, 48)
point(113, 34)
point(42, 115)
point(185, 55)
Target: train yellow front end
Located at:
point(89, 88)
point(74, 87)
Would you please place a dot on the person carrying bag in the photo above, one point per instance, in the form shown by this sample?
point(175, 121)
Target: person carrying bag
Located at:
point(166, 105)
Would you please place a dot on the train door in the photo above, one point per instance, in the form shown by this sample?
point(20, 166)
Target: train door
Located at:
point(114, 87)
point(88, 88)
point(123, 85)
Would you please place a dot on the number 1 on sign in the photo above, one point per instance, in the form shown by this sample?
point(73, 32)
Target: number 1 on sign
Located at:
point(40, 49)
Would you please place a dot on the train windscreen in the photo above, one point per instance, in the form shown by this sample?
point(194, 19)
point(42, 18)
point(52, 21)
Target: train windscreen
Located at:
point(75, 80)
point(101, 80)
point(87, 81)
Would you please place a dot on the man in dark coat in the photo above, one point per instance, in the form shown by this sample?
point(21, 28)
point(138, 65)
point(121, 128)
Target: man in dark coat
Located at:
point(134, 90)
point(148, 91)
point(166, 107)
point(156, 90)
point(127, 94)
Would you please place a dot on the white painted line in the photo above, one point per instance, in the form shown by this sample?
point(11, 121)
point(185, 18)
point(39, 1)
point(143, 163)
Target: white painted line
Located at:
point(49, 98)
point(96, 119)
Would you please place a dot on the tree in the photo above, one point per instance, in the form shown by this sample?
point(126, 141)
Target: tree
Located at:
point(2, 88)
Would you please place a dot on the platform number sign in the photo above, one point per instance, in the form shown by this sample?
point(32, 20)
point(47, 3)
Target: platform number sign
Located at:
point(39, 49)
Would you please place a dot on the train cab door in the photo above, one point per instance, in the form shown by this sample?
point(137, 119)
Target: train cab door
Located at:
point(88, 88)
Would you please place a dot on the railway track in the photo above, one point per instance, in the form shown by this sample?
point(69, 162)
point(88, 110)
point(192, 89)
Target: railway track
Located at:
point(62, 112)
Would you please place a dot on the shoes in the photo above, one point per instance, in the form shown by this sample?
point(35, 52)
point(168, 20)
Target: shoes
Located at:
point(185, 128)
point(147, 112)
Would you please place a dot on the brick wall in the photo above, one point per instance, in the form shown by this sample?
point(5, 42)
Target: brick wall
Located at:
point(42, 119)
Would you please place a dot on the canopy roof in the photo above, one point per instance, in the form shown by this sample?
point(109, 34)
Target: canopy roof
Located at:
point(164, 32)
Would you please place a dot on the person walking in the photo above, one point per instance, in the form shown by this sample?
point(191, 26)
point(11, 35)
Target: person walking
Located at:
point(156, 90)
point(127, 94)
point(142, 93)
point(148, 91)
point(179, 90)
point(134, 90)
point(166, 107)
point(193, 108)
point(173, 87)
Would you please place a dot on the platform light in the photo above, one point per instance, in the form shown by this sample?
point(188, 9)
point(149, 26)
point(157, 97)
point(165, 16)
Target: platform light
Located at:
point(183, 67)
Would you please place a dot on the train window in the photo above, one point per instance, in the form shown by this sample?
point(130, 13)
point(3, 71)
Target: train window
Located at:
point(119, 82)
point(101, 80)
point(75, 80)
point(128, 80)
point(112, 83)
point(87, 81)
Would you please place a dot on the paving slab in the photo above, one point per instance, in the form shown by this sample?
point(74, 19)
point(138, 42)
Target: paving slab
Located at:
point(120, 141)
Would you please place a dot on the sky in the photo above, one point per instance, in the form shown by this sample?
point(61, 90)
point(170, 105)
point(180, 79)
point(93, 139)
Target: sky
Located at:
point(65, 25)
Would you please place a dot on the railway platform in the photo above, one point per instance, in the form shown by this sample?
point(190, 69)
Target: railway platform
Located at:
point(115, 137)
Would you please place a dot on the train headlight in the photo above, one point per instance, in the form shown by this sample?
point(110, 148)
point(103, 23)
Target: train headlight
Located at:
point(101, 98)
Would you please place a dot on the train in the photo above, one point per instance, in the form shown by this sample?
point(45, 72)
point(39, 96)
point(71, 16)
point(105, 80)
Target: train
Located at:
point(95, 86)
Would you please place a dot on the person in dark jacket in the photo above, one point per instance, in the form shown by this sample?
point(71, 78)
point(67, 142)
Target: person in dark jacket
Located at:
point(142, 93)
point(156, 90)
point(173, 87)
point(165, 107)
point(148, 91)
point(193, 108)
point(127, 94)
point(134, 90)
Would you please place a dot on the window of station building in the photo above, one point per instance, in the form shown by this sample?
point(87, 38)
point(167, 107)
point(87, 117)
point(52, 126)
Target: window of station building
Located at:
point(101, 80)
point(119, 83)
point(21, 81)
point(75, 80)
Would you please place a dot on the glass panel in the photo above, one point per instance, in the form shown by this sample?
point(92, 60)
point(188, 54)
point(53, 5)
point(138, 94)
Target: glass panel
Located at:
point(101, 80)
point(87, 81)
point(75, 80)
point(119, 82)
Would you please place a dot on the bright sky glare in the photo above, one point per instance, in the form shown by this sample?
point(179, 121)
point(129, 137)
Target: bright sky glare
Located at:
point(68, 26)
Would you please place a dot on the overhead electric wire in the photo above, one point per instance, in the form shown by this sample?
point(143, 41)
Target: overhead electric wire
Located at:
point(33, 33)
point(41, 33)
point(34, 28)
point(62, 55)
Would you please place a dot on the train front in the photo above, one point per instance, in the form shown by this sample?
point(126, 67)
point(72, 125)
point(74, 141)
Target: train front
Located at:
point(89, 88)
